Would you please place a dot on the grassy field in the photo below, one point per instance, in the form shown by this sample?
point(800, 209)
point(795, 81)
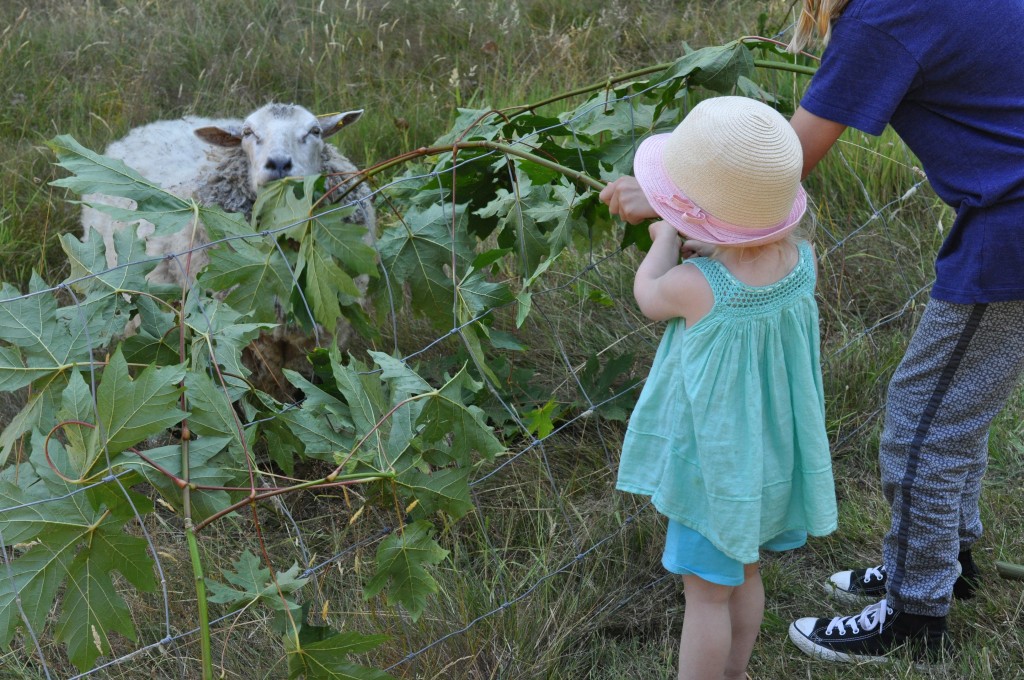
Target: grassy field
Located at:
point(554, 575)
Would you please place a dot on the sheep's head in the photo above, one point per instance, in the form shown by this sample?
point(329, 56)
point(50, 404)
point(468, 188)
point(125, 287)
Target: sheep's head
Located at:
point(280, 140)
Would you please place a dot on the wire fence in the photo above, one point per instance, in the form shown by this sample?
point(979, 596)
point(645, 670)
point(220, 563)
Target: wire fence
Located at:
point(840, 242)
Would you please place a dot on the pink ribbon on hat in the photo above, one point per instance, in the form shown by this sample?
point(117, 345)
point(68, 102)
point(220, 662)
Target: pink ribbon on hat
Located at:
point(708, 225)
point(691, 211)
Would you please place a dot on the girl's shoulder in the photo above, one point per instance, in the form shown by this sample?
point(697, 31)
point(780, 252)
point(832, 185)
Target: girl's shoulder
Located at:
point(688, 292)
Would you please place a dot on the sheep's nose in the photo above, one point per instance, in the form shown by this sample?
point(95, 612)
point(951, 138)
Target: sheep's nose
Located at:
point(279, 166)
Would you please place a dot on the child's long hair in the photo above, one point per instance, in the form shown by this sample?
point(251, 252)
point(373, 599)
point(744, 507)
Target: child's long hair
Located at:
point(816, 16)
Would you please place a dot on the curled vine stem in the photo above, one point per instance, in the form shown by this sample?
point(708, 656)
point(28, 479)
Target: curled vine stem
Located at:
point(46, 449)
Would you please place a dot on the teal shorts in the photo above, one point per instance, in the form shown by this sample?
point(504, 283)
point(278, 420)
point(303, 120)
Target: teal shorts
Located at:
point(689, 553)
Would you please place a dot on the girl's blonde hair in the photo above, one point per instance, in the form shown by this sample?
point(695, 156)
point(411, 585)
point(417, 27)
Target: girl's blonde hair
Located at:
point(816, 16)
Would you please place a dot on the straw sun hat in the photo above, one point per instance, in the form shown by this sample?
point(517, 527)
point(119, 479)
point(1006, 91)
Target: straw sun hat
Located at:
point(729, 174)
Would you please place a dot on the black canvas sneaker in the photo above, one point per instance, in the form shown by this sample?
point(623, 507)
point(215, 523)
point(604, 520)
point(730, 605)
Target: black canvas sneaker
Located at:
point(857, 586)
point(872, 636)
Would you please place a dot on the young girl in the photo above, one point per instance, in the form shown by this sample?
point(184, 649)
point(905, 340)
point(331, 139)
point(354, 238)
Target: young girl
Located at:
point(728, 437)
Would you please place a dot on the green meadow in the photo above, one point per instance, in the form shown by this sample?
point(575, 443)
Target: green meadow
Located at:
point(553, 574)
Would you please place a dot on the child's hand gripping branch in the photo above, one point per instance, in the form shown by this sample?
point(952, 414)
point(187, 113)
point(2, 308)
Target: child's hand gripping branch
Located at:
point(626, 199)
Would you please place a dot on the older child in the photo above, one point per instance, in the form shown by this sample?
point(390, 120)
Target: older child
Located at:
point(728, 437)
point(936, 73)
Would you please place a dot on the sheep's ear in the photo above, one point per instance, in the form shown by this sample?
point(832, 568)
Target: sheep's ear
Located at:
point(219, 136)
point(333, 122)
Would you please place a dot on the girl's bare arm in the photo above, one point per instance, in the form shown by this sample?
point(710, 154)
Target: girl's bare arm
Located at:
point(663, 288)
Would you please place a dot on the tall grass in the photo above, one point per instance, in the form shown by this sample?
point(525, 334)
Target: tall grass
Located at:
point(95, 68)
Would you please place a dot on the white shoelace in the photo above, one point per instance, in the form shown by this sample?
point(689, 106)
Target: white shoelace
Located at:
point(871, 617)
point(874, 573)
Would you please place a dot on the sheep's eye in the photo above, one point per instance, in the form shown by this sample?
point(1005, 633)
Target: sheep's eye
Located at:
point(315, 131)
point(247, 132)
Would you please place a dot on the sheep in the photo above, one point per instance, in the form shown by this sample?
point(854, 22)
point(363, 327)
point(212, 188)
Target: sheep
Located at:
point(225, 162)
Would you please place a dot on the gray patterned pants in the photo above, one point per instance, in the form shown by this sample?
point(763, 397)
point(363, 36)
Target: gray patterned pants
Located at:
point(962, 365)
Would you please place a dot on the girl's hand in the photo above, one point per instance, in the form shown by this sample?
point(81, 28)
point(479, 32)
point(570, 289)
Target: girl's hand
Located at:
point(662, 229)
point(626, 199)
point(694, 248)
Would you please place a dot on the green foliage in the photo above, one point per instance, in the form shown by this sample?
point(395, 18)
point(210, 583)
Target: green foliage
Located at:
point(132, 410)
point(252, 583)
point(46, 342)
point(96, 174)
point(91, 417)
point(313, 651)
point(603, 382)
point(76, 541)
point(318, 655)
point(535, 209)
point(330, 251)
point(401, 567)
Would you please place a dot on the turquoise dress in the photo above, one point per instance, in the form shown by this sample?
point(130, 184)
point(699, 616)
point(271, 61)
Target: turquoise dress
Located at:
point(728, 436)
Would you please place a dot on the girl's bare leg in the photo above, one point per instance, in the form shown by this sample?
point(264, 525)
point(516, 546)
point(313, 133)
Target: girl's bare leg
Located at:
point(746, 610)
point(706, 643)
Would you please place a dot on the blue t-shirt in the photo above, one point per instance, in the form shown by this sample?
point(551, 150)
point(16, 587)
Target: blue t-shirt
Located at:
point(945, 75)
